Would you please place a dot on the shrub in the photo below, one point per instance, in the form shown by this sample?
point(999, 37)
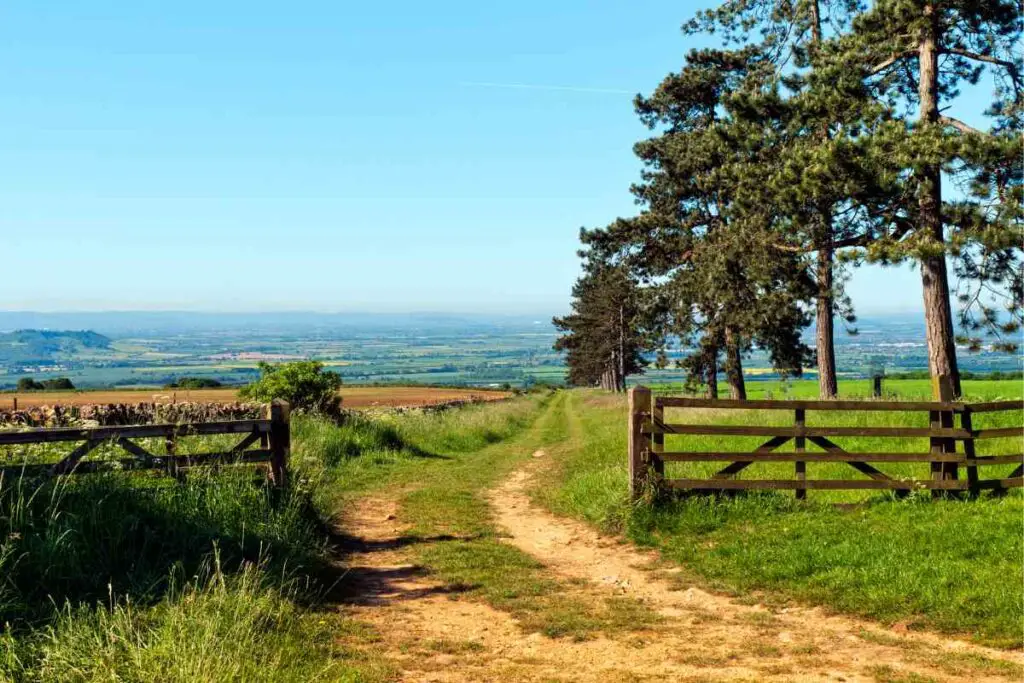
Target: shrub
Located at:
point(58, 384)
point(28, 384)
point(304, 384)
point(194, 383)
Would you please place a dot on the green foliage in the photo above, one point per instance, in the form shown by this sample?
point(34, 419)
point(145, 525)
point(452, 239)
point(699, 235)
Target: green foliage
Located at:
point(304, 384)
point(58, 384)
point(194, 383)
point(29, 384)
point(602, 340)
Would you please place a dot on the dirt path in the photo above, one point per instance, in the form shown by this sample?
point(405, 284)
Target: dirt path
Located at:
point(432, 632)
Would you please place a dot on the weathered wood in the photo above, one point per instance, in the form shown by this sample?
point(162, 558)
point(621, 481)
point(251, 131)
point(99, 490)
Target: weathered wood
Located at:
point(792, 432)
point(658, 440)
point(133, 448)
point(729, 456)
point(800, 468)
point(765, 404)
point(638, 445)
point(155, 462)
point(8, 438)
point(280, 441)
point(969, 451)
point(740, 465)
point(823, 484)
point(997, 433)
point(69, 463)
point(1008, 483)
point(995, 406)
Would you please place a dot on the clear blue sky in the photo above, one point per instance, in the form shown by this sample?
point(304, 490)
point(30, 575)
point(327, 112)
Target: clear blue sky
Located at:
point(324, 155)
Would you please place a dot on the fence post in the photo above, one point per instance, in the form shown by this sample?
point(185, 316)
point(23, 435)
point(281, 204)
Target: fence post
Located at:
point(657, 440)
point(967, 424)
point(280, 440)
point(943, 419)
point(639, 443)
point(800, 421)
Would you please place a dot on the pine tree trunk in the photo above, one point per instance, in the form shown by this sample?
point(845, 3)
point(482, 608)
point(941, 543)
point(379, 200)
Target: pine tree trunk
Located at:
point(828, 384)
point(938, 313)
point(734, 366)
point(712, 374)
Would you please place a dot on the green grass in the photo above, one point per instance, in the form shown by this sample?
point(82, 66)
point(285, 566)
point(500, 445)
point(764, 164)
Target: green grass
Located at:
point(950, 565)
point(142, 578)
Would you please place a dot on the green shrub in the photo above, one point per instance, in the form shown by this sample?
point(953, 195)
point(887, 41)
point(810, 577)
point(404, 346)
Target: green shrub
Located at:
point(57, 384)
point(28, 384)
point(194, 383)
point(304, 384)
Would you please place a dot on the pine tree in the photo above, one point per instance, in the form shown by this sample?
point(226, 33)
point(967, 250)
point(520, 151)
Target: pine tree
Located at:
point(724, 290)
point(603, 341)
point(913, 55)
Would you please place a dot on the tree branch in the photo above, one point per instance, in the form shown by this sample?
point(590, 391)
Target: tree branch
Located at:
point(959, 125)
point(1005, 63)
point(878, 68)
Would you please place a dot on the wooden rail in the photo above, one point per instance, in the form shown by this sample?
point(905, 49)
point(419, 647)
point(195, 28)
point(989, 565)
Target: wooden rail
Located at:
point(265, 440)
point(648, 455)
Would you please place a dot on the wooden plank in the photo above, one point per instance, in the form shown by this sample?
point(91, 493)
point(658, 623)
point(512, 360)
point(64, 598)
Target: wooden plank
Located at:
point(739, 465)
point(280, 441)
point(246, 442)
point(995, 406)
point(71, 461)
point(792, 432)
point(758, 404)
point(132, 431)
point(728, 456)
point(980, 460)
point(800, 468)
point(858, 465)
point(997, 433)
point(133, 448)
point(639, 405)
point(821, 484)
point(969, 451)
point(658, 440)
point(156, 462)
point(1009, 483)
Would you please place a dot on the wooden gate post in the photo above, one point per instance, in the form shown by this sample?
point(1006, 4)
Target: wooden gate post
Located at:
point(280, 440)
point(639, 443)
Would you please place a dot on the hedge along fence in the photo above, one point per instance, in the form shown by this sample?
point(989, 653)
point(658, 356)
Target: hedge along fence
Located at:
point(648, 455)
point(265, 440)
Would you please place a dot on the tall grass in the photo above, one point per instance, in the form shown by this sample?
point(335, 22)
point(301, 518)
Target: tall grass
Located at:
point(140, 577)
point(952, 565)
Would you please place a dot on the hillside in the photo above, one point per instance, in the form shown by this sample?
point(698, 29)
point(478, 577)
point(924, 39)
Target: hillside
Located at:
point(44, 346)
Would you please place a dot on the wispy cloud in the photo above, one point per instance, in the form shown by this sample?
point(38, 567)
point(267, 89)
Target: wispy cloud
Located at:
point(537, 86)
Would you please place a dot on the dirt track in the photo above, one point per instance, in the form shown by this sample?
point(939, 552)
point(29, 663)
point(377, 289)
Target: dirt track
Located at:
point(703, 637)
point(353, 397)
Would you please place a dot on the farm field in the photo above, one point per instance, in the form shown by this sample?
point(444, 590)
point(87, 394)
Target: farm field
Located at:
point(352, 397)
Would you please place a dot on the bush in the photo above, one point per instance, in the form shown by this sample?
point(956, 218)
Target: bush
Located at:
point(58, 384)
point(193, 383)
point(304, 384)
point(28, 384)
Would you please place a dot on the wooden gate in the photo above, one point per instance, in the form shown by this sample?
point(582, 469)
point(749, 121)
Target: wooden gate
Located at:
point(648, 455)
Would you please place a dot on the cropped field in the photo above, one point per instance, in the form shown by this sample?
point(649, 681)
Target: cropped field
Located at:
point(352, 397)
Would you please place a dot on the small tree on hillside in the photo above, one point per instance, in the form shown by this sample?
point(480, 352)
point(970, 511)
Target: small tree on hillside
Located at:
point(603, 344)
point(304, 384)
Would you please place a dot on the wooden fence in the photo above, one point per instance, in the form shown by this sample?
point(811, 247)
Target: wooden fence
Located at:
point(266, 440)
point(648, 428)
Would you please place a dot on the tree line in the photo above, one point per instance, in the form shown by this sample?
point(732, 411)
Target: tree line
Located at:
point(818, 135)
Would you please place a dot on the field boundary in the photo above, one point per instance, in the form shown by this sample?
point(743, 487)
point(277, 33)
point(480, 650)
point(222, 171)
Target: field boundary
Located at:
point(266, 440)
point(648, 428)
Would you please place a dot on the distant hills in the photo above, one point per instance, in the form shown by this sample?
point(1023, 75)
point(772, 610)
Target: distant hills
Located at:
point(34, 346)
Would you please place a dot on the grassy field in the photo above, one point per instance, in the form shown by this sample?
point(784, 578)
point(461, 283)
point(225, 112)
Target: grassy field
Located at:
point(950, 565)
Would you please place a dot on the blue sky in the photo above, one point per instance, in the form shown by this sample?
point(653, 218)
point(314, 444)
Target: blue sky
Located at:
point(324, 155)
